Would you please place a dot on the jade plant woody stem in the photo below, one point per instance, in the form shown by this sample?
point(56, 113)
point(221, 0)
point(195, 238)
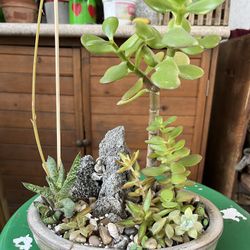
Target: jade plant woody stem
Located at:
point(33, 120)
point(154, 97)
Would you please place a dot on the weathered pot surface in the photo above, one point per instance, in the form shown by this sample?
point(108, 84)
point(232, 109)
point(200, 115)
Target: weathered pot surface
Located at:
point(48, 240)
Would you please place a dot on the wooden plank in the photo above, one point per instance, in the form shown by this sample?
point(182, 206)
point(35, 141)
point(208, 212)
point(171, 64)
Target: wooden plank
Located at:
point(26, 136)
point(18, 119)
point(135, 139)
point(169, 106)
point(45, 64)
point(28, 50)
point(226, 12)
point(207, 113)
point(187, 88)
point(135, 123)
point(98, 65)
point(79, 130)
point(21, 83)
point(29, 152)
point(44, 103)
point(200, 107)
point(230, 114)
point(86, 97)
point(217, 20)
point(24, 168)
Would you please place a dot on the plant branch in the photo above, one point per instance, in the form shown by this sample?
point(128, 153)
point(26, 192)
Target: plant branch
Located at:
point(33, 120)
point(136, 70)
point(154, 110)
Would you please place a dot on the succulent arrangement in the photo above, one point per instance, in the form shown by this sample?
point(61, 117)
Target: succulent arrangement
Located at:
point(158, 211)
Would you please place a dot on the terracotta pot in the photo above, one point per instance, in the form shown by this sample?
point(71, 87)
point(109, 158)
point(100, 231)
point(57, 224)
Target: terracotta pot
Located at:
point(19, 11)
point(47, 240)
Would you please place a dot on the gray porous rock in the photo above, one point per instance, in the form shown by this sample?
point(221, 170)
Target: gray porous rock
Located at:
point(85, 186)
point(111, 196)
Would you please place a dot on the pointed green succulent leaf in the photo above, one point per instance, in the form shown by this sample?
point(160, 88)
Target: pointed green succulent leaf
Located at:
point(209, 42)
point(194, 50)
point(110, 26)
point(158, 225)
point(190, 160)
point(190, 72)
point(169, 80)
point(142, 230)
point(192, 233)
point(135, 210)
point(127, 223)
point(43, 191)
point(61, 177)
point(169, 231)
point(52, 169)
point(202, 7)
point(147, 201)
point(52, 185)
point(177, 37)
point(115, 73)
point(96, 45)
point(133, 91)
point(70, 179)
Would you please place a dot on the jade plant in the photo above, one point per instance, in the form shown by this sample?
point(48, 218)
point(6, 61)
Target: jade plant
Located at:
point(164, 212)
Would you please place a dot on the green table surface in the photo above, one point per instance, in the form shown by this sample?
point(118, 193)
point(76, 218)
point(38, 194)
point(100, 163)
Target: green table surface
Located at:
point(236, 234)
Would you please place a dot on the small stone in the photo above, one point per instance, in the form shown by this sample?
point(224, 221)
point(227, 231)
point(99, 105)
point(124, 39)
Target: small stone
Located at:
point(65, 220)
point(89, 216)
point(131, 237)
point(96, 177)
point(80, 239)
point(129, 246)
point(92, 200)
point(130, 231)
point(105, 221)
point(93, 222)
point(73, 235)
point(80, 205)
point(94, 240)
point(113, 231)
point(122, 244)
point(105, 236)
point(114, 218)
point(120, 229)
point(151, 243)
point(136, 239)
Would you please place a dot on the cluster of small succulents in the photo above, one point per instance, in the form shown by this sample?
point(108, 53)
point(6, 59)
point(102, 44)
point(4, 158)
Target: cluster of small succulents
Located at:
point(165, 213)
